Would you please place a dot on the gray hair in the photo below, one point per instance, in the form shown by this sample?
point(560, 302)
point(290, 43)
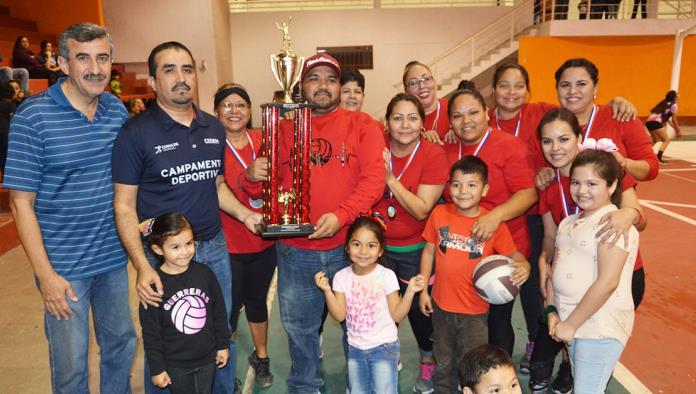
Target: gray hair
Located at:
point(82, 32)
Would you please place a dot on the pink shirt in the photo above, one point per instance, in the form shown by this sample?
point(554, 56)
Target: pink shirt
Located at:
point(576, 270)
point(367, 312)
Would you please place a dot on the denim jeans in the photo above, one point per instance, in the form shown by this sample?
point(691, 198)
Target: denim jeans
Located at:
point(68, 340)
point(301, 305)
point(593, 362)
point(192, 380)
point(214, 254)
point(374, 370)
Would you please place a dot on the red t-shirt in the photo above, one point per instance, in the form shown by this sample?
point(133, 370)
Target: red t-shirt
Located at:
point(630, 137)
point(456, 256)
point(239, 239)
point(551, 200)
point(350, 180)
point(438, 120)
point(509, 171)
point(428, 167)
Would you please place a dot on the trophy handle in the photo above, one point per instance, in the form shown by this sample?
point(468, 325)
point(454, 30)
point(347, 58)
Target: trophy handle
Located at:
point(274, 59)
point(297, 77)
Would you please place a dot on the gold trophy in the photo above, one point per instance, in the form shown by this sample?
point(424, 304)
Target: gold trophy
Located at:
point(286, 212)
point(286, 66)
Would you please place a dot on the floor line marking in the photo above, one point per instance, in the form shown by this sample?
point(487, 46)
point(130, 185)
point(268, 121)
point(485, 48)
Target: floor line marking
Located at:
point(681, 177)
point(668, 212)
point(670, 204)
point(629, 381)
point(677, 169)
point(250, 380)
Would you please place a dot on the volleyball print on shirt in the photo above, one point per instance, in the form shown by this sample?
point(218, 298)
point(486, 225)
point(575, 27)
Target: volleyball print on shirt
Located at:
point(188, 311)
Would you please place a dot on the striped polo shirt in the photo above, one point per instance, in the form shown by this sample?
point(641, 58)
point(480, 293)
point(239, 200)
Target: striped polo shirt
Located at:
point(57, 153)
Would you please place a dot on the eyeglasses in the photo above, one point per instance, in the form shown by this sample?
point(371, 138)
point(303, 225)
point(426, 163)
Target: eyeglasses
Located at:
point(414, 83)
point(241, 107)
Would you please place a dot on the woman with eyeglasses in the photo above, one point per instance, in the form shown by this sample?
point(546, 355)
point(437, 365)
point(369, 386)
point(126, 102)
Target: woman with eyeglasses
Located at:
point(511, 189)
point(416, 174)
point(419, 82)
point(253, 258)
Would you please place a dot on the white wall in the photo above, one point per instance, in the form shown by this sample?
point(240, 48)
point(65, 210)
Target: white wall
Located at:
point(137, 26)
point(397, 36)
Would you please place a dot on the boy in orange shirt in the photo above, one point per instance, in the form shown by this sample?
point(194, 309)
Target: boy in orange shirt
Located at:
point(459, 313)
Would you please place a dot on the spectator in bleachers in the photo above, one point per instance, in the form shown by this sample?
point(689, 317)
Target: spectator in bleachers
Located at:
point(23, 57)
point(47, 57)
point(135, 106)
point(19, 74)
point(115, 83)
point(7, 108)
point(643, 9)
point(19, 93)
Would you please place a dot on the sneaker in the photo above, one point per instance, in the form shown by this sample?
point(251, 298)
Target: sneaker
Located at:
point(321, 351)
point(525, 366)
point(399, 366)
point(563, 384)
point(539, 386)
point(424, 385)
point(261, 367)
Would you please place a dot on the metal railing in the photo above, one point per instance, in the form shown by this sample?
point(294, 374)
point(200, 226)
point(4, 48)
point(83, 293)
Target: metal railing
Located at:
point(465, 56)
point(237, 6)
point(546, 10)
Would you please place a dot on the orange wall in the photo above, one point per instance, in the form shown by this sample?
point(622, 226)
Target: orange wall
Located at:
point(635, 67)
point(53, 16)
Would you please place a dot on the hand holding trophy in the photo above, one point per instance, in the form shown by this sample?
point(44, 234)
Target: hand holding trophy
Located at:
point(286, 212)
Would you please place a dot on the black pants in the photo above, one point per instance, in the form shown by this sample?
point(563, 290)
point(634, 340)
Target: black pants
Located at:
point(191, 380)
point(251, 276)
point(643, 9)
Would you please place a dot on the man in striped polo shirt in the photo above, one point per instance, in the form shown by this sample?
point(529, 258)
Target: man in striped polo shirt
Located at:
point(59, 175)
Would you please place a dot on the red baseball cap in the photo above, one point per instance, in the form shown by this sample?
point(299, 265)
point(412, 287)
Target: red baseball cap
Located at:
point(321, 59)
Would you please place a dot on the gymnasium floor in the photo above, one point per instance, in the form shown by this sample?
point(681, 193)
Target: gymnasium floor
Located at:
point(658, 357)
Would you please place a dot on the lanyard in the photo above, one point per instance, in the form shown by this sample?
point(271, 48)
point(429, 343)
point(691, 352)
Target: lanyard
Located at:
point(566, 208)
point(408, 163)
point(588, 126)
point(238, 156)
point(517, 127)
point(480, 145)
point(437, 116)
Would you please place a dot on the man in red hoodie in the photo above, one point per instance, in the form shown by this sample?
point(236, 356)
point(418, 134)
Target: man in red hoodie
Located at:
point(347, 178)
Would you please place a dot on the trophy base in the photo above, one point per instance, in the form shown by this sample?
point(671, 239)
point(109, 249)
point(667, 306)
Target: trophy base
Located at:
point(285, 230)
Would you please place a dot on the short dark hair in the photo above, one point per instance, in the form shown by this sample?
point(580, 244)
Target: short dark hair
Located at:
point(152, 63)
point(461, 92)
point(580, 62)
point(563, 115)
point(352, 75)
point(82, 32)
point(6, 90)
point(404, 97)
point(478, 361)
point(408, 68)
point(471, 165)
point(511, 66)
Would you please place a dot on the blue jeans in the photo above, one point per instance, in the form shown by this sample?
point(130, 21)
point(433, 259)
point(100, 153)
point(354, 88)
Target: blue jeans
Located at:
point(301, 306)
point(214, 254)
point(68, 340)
point(593, 362)
point(374, 370)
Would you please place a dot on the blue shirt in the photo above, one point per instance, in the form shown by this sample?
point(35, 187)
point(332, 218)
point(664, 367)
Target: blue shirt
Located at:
point(174, 166)
point(57, 153)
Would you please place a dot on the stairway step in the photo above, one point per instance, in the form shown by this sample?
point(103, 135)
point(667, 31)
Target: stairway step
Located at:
point(8, 21)
point(4, 10)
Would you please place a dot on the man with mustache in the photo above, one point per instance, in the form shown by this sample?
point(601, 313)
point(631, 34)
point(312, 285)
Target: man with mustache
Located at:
point(347, 179)
point(170, 159)
point(59, 175)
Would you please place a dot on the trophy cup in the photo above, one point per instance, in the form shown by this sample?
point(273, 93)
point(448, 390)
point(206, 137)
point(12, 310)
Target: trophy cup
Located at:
point(286, 212)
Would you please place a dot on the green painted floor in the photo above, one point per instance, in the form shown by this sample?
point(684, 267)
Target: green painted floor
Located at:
point(333, 366)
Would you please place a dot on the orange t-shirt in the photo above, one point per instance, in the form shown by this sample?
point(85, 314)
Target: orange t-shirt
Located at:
point(456, 256)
